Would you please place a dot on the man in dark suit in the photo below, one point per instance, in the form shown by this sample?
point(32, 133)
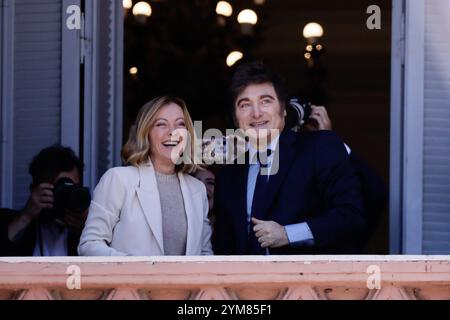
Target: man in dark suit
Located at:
point(38, 230)
point(310, 204)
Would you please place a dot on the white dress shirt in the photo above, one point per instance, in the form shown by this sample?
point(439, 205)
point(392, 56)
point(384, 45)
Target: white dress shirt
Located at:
point(53, 238)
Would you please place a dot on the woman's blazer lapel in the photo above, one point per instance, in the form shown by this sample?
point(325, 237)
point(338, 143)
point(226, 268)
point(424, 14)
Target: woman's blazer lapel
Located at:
point(193, 204)
point(148, 196)
point(149, 199)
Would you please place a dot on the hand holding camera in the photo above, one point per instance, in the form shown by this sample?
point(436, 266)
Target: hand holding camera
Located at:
point(65, 202)
point(41, 198)
point(322, 120)
point(70, 203)
point(310, 117)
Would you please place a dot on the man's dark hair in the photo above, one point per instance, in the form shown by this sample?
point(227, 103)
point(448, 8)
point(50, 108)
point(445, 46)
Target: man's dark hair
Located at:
point(51, 161)
point(255, 73)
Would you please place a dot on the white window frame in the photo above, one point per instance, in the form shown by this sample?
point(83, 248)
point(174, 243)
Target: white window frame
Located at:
point(2, 45)
point(6, 102)
point(70, 82)
point(407, 111)
point(91, 97)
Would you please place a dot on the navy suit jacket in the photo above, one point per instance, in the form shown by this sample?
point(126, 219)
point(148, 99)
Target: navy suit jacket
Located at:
point(316, 183)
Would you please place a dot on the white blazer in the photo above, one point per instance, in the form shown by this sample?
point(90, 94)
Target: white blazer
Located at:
point(125, 215)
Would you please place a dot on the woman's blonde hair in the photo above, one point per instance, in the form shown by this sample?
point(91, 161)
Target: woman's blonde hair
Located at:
point(136, 151)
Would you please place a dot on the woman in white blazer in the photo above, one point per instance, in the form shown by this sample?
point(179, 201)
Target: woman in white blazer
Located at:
point(152, 207)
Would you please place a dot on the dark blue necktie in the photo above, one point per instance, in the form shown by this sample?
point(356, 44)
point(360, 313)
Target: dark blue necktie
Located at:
point(259, 195)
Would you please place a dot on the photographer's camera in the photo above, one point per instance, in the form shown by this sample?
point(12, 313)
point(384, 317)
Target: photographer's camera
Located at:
point(68, 198)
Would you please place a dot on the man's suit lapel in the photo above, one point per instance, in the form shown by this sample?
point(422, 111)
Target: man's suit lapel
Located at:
point(148, 196)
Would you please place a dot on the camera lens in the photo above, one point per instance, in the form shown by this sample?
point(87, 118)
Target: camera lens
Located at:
point(302, 111)
point(70, 197)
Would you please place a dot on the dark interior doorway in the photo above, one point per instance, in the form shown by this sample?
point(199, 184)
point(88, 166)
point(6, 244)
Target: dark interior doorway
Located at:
point(182, 47)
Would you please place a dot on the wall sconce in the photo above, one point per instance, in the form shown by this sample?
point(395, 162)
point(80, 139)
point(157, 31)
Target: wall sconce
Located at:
point(312, 32)
point(247, 19)
point(142, 10)
point(223, 10)
point(134, 70)
point(127, 4)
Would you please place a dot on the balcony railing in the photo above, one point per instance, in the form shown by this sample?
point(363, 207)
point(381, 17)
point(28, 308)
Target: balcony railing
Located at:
point(275, 277)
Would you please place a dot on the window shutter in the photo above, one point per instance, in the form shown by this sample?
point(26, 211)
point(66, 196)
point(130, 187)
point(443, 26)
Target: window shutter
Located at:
point(36, 86)
point(436, 175)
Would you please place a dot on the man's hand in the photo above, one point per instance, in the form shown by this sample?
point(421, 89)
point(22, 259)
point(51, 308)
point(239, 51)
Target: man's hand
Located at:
point(270, 234)
point(41, 198)
point(322, 120)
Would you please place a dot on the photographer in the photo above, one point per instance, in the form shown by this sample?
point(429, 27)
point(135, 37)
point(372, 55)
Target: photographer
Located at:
point(302, 116)
point(55, 213)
